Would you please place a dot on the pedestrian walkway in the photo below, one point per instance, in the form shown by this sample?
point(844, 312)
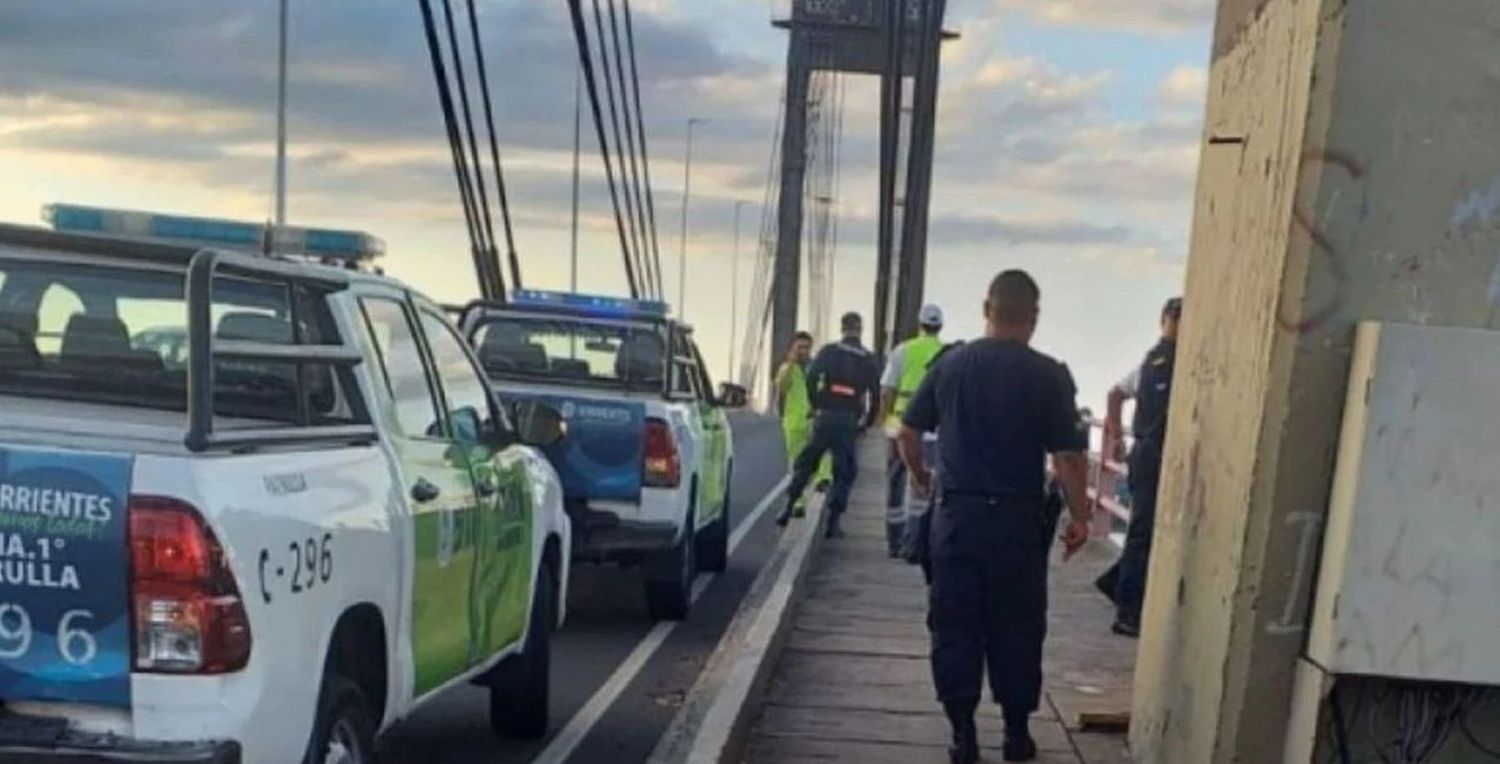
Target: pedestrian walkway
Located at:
point(853, 683)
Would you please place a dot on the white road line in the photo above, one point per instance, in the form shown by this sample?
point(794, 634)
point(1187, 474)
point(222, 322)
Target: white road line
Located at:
point(583, 722)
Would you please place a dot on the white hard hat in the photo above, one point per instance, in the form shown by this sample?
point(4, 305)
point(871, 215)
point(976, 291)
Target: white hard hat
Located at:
point(931, 315)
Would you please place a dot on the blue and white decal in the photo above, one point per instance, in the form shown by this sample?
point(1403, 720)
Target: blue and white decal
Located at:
point(64, 567)
point(601, 456)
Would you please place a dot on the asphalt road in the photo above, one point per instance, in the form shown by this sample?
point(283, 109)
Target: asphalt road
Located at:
point(617, 676)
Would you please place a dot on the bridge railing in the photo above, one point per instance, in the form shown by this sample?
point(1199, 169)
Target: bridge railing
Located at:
point(1109, 495)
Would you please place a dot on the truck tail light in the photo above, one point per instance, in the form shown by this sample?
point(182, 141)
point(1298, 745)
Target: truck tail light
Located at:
point(189, 617)
point(662, 465)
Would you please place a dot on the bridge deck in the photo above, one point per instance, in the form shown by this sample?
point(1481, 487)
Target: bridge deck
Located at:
point(853, 684)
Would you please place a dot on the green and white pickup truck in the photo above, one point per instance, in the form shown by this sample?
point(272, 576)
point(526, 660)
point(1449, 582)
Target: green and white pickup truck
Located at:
point(273, 545)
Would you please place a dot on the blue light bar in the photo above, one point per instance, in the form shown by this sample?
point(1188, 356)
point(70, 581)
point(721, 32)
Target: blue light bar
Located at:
point(312, 242)
point(588, 304)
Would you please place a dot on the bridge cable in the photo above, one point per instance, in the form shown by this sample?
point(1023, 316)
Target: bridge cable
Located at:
point(460, 164)
point(489, 118)
point(482, 200)
point(640, 126)
point(586, 60)
point(611, 63)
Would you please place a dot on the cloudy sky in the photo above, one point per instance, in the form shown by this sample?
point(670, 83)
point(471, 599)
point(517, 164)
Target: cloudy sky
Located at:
point(1067, 142)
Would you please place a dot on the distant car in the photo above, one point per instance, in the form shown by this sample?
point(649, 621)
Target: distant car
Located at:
point(647, 463)
point(267, 533)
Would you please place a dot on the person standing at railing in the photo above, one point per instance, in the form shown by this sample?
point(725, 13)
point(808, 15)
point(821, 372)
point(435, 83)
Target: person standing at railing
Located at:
point(904, 371)
point(794, 401)
point(1001, 408)
point(1150, 385)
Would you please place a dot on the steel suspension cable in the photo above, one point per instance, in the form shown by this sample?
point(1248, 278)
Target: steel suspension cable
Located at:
point(455, 145)
point(614, 117)
point(483, 199)
point(640, 126)
point(586, 60)
point(645, 252)
point(489, 118)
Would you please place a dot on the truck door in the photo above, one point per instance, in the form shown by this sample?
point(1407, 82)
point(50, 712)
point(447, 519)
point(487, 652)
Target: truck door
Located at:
point(716, 430)
point(500, 591)
point(439, 492)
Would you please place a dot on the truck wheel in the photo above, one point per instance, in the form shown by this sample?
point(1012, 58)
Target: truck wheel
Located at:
point(713, 541)
point(519, 699)
point(342, 730)
point(669, 577)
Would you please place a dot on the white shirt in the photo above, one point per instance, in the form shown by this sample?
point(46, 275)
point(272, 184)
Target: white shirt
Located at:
point(1131, 384)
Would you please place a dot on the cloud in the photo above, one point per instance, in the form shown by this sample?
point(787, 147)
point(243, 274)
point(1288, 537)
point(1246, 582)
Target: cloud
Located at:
point(1159, 17)
point(1185, 86)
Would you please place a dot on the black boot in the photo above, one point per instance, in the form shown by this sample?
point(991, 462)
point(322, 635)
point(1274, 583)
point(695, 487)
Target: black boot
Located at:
point(965, 747)
point(1019, 745)
point(893, 534)
point(786, 515)
point(833, 531)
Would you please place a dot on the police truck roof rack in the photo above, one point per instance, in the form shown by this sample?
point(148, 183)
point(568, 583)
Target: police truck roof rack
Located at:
point(203, 267)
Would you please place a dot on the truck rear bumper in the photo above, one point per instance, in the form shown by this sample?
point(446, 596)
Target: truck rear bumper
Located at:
point(604, 536)
point(26, 740)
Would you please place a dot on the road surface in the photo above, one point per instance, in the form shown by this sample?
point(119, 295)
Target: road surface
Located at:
point(617, 677)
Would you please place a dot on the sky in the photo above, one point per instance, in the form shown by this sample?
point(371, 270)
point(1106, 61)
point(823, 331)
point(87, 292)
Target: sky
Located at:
point(1067, 144)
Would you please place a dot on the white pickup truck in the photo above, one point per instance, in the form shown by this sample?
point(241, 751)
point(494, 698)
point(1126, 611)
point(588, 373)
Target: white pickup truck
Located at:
point(646, 467)
point(268, 548)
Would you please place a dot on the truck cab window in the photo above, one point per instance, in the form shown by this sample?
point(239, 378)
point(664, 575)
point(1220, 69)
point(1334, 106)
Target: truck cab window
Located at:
point(464, 387)
point(405, 375)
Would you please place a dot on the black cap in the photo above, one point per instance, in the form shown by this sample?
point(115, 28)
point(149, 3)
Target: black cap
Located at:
point(1173, 308)
point(851, 321)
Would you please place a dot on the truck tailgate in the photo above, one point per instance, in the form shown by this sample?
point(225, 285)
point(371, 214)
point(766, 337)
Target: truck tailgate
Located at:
point(601, 456)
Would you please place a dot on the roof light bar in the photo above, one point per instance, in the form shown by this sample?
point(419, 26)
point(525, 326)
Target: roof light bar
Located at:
point(312, 242)
point(589, 304)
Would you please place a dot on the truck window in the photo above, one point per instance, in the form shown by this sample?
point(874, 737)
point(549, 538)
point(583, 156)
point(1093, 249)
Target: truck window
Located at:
point(464, 388)
point(571, 351)
point(401, 361)
point(107, 334)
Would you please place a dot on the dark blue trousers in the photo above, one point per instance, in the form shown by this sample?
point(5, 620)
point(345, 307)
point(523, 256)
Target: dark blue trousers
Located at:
point(1145, 478)
point(833, 433)
point(987, 606)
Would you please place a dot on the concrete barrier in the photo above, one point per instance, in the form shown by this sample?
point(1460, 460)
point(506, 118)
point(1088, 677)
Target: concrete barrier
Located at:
point(720, 709)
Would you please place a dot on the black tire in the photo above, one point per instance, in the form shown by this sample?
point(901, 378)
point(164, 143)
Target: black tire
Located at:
point(669, 575)
point(520, 697)
point(713, 541)
point(342, 730)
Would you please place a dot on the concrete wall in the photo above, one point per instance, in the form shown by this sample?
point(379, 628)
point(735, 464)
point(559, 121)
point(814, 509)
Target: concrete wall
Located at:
point(1351, 170)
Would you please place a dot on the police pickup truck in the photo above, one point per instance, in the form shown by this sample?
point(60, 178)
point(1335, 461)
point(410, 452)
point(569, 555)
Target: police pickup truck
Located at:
point(273, 545)
point(647, 462)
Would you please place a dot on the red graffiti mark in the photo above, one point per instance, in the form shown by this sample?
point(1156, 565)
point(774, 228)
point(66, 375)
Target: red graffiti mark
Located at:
point(1322, 242)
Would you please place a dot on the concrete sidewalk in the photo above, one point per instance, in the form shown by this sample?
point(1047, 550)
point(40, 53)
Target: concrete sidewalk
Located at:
point(853, 683)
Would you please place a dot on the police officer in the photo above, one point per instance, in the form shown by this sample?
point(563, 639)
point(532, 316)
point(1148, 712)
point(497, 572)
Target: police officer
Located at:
point(795, 405)
point(1001, 408)
point(1151, 387)
point(904, 371)
point(842, 379)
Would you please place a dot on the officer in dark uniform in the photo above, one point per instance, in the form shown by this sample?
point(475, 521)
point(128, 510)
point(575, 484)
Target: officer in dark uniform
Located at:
point(843, 381)
point(1151, 387)
point(1001, 407)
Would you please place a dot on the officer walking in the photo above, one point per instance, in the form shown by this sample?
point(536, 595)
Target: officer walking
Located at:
point(842, 382)
point(904, 371)
point(1150, 384)
point(795, 405)
point(1001, 408)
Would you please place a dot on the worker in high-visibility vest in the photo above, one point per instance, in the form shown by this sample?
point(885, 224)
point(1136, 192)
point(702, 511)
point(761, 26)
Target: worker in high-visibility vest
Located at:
point(794, 401)
point(904, 371)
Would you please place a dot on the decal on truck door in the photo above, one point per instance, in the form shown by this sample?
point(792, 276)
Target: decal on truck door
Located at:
point(64, 558)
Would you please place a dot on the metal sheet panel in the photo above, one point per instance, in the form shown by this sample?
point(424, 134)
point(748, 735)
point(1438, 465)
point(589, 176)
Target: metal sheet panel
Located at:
point(1410, 580)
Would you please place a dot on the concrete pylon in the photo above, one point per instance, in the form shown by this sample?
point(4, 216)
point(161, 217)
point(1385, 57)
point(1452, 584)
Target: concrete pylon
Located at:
point(1349, 171)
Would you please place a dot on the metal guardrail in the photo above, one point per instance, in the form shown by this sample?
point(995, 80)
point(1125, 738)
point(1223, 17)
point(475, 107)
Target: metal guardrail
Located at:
point(1108, 477)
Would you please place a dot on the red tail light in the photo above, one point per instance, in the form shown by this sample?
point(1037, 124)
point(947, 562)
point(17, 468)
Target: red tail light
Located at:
point(662, 465)
point(189, 618)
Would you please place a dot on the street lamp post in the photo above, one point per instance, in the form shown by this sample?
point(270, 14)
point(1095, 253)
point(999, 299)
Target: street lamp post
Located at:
point(687, 185)
point(734, 287)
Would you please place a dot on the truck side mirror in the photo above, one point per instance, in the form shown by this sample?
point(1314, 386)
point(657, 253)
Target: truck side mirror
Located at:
point(538, 424)
point(732, 396)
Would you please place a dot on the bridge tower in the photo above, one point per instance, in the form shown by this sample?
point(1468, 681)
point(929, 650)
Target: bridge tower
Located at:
point(896, 40)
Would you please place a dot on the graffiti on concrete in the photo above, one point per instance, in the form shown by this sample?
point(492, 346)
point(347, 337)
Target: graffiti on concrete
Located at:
point(1322, 243)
